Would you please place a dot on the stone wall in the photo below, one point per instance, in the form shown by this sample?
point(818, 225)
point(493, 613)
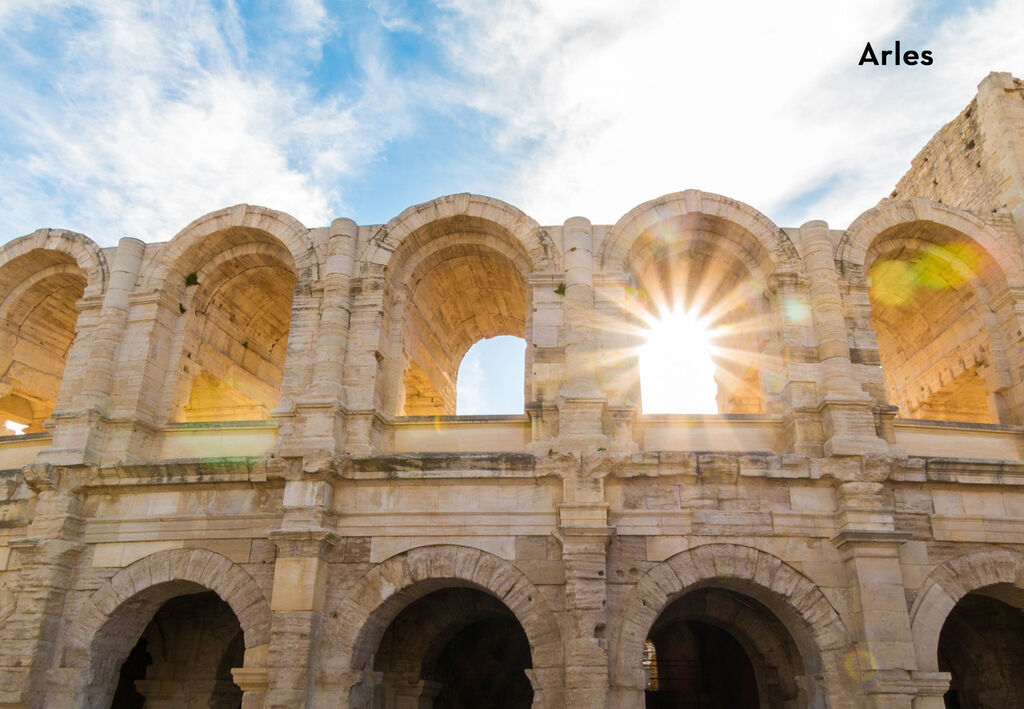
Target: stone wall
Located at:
point(229, 488)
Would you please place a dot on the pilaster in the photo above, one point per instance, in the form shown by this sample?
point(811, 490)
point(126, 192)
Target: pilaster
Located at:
point(300, 586)
point(869, 543)
point(48, 556)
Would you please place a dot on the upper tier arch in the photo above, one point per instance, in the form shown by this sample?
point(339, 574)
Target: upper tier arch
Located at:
point(613, 252)
point(85, 252)
point(543, 255)
point(192, 246)
point(856, 241)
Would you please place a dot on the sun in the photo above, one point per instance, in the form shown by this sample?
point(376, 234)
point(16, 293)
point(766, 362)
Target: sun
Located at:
point(677, 373)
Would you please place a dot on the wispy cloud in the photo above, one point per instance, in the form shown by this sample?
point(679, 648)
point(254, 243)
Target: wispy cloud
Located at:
point(122, 118)
point(139, 118)
point(762, 102)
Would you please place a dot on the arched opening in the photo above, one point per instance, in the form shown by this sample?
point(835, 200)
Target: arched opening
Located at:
point(238, 305)
point(716, 648)
point(938, 337)
point(710, 337)
point(184, 657)
point(454, 648)
point(37, 326)
point(456, 281)
point(982, 646)
point(491, 377)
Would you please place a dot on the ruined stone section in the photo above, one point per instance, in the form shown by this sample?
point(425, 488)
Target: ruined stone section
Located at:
point(966, 164)
point(43, 276)
point(812, 623)
point(942, 294)
point(103, 634)
point(361, 614)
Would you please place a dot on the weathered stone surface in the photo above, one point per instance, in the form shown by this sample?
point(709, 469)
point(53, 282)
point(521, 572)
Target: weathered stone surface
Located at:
point(264, 411)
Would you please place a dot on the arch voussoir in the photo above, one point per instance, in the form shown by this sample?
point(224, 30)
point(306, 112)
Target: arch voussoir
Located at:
point(947, 584)
point(367, 609)
point(738, 567)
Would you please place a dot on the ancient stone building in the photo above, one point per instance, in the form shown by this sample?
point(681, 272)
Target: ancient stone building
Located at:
point(243, 482)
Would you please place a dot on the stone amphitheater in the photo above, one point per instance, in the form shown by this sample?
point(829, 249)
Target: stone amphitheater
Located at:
point(242, 481)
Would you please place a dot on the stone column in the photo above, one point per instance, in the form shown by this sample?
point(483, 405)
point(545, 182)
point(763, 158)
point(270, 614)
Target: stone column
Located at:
point(363, 364)
point(580, 398)
point(80, 435)
point(803, 421)
point(317, 421)
point(847, 410)
point(48, 555)
point(300, 587)
point(869, 543)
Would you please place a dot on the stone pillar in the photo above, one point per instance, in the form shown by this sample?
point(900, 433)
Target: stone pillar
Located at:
point(580, 398)
point(300, 587)
point(363, 365)
point(585, 534)
point(317, 420)
point(847, 410)
point(1000, 117)
point(1006, 393)
point(48, 555)
point(79, 438)
point(869, 543)
point(584, 554)
point(804, 433)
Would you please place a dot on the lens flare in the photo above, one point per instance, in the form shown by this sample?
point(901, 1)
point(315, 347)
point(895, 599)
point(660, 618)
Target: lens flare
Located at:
point(859, 665)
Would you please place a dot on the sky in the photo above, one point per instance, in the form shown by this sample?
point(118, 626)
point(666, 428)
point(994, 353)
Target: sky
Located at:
point(134, 118)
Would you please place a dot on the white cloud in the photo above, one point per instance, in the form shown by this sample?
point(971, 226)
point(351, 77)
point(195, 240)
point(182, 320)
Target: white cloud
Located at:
point(759, 101)
point(158, 117)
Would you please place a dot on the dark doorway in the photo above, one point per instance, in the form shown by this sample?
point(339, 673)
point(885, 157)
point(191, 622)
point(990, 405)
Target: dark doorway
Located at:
point(700, 666)
point(185, 656)
point(982, 646)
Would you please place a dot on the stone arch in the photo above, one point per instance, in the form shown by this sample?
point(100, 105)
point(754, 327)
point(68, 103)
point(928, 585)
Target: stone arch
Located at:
point(810, 618)
point(946, 585)
point(544, 256)
point(43, 278)
point(717, 257)
point(855, 242)
point(611, 255)
point(235, 274)
point(361, 614)
point(941, 311)
point(115, 615)
point(455, 271)
point(83, 250)
point(192, 246)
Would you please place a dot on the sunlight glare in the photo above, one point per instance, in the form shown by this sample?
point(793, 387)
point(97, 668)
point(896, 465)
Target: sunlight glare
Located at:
point(18, 429)
point(677, 374)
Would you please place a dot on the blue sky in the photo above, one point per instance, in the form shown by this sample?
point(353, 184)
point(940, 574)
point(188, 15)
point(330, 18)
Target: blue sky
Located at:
point(134, 118)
